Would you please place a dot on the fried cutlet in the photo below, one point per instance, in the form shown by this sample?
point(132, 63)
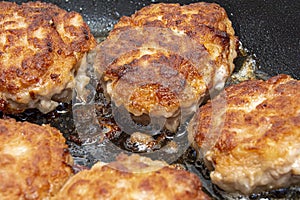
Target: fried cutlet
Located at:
point(249, 135)
point(132, 177)
point(163, 60)
point(35, 162)
point(40, 49)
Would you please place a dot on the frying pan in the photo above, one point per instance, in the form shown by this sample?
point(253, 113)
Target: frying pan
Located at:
point(269, 30)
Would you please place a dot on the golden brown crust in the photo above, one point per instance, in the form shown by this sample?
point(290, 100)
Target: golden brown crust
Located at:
point(252, 129)
point(206, 23)
point(167, 90)
point(118, 180)
point(40, 45)
point(166, 57)
point(34, 160)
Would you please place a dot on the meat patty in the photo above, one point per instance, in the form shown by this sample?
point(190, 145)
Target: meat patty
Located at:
point(132, 178)
point(164, 58)
point(249, 135)
point(40, 47)
point(34, 160)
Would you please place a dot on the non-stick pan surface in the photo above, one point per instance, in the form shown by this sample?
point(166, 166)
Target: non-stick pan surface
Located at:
point(270, 30)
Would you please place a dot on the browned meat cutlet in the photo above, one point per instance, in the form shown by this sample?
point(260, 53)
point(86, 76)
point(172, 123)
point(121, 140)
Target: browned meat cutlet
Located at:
point(249, 135)
point(133, 177)
point(34, 160)
point(165, 57)
point(40, 47)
